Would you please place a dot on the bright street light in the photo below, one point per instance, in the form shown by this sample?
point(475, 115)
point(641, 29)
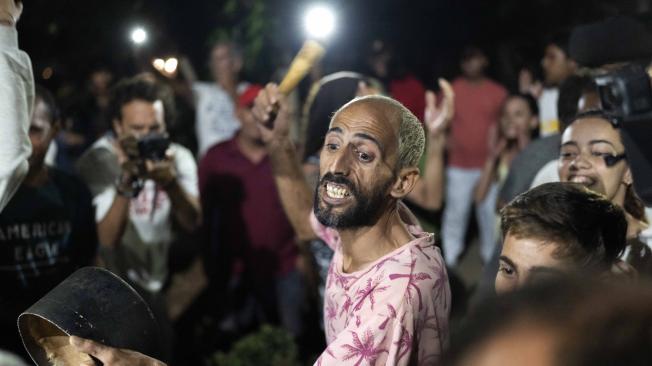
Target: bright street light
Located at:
point(138, 36)
point(171, 65)
point(159, 64)
point(167, 67)
point(319, 22)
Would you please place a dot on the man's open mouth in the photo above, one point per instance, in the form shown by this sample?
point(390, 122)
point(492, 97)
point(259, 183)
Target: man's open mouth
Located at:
point(337, 191)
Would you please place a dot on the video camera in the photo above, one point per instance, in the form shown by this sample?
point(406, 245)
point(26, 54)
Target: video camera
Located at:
point(152, 146)
point(626, 94)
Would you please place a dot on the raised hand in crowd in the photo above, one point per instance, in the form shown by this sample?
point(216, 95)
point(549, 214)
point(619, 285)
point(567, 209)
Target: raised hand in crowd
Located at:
point(497, 147)
point(271, 112)
point(528, 85)
point(271, 104)
point(429, 190)
point(438, 118)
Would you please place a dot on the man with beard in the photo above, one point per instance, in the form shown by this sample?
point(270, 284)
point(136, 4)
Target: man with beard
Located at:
point(387, 296)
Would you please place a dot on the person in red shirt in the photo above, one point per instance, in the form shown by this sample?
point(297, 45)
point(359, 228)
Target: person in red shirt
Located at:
point(251, 241)
point(401, 84)
point(478, 101)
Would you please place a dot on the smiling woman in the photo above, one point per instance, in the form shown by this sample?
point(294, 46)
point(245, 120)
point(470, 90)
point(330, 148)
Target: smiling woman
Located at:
point(592, 154)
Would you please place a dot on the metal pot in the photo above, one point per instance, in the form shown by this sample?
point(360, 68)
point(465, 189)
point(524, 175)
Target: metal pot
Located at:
point(91, 303)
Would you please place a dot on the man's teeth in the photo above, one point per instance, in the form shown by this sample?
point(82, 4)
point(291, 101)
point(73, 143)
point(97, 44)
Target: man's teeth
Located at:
point(336, 192)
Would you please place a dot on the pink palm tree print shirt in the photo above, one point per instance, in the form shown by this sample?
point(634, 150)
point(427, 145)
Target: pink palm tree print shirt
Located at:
point(394, 312)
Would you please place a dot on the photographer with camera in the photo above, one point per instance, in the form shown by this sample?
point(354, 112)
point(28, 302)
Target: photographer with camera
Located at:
point(141, 183)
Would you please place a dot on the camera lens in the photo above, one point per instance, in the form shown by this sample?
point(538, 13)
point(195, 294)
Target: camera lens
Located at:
point(611, 97)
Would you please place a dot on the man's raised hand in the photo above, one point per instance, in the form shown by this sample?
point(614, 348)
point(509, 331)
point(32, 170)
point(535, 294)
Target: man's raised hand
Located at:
point(437, 118)
point(271, 104)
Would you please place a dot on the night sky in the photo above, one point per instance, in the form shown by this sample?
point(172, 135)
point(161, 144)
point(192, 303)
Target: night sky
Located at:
point(74, 36)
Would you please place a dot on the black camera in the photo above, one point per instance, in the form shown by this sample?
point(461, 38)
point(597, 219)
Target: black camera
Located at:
point(626, 93)
point(153, 146)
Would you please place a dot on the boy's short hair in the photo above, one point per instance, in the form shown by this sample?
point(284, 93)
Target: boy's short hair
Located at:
point(589, 229)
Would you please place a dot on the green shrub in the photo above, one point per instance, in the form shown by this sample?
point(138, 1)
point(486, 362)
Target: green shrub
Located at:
point(268, 347)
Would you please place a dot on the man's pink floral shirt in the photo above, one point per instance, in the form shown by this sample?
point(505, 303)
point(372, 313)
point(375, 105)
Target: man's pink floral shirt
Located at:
point(394, 312)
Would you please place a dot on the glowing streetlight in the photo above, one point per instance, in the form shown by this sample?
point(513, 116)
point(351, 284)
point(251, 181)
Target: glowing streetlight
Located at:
point(319, 22)
point(159, 64)
point(138, 36)
point(170, 65)
point(167, 67)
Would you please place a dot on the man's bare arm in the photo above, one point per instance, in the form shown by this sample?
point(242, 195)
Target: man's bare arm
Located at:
point(111, 228)
point(428, 191)
point(294, 191)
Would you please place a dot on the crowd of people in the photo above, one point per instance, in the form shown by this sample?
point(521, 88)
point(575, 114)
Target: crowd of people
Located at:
point(341, 219)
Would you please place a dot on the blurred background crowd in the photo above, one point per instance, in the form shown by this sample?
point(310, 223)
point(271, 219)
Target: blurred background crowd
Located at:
point(147, 160)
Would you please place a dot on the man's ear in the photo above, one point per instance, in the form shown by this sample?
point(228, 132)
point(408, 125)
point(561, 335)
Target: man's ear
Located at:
point(405, 182)
point(117, 127)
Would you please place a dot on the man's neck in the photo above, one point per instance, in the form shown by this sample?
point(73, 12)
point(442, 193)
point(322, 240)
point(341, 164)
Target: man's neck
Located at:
point(362, 246)
point(230, 86)
point(251, 149)
point(36, 176)
point(475, 80)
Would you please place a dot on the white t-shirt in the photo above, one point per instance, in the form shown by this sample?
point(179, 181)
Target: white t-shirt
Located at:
point(549, 173)
point(216, 120)
point(548, 118)
point(142, 253)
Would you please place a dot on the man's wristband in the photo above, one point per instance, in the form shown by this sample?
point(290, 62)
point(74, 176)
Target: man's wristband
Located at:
point(128, 187)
